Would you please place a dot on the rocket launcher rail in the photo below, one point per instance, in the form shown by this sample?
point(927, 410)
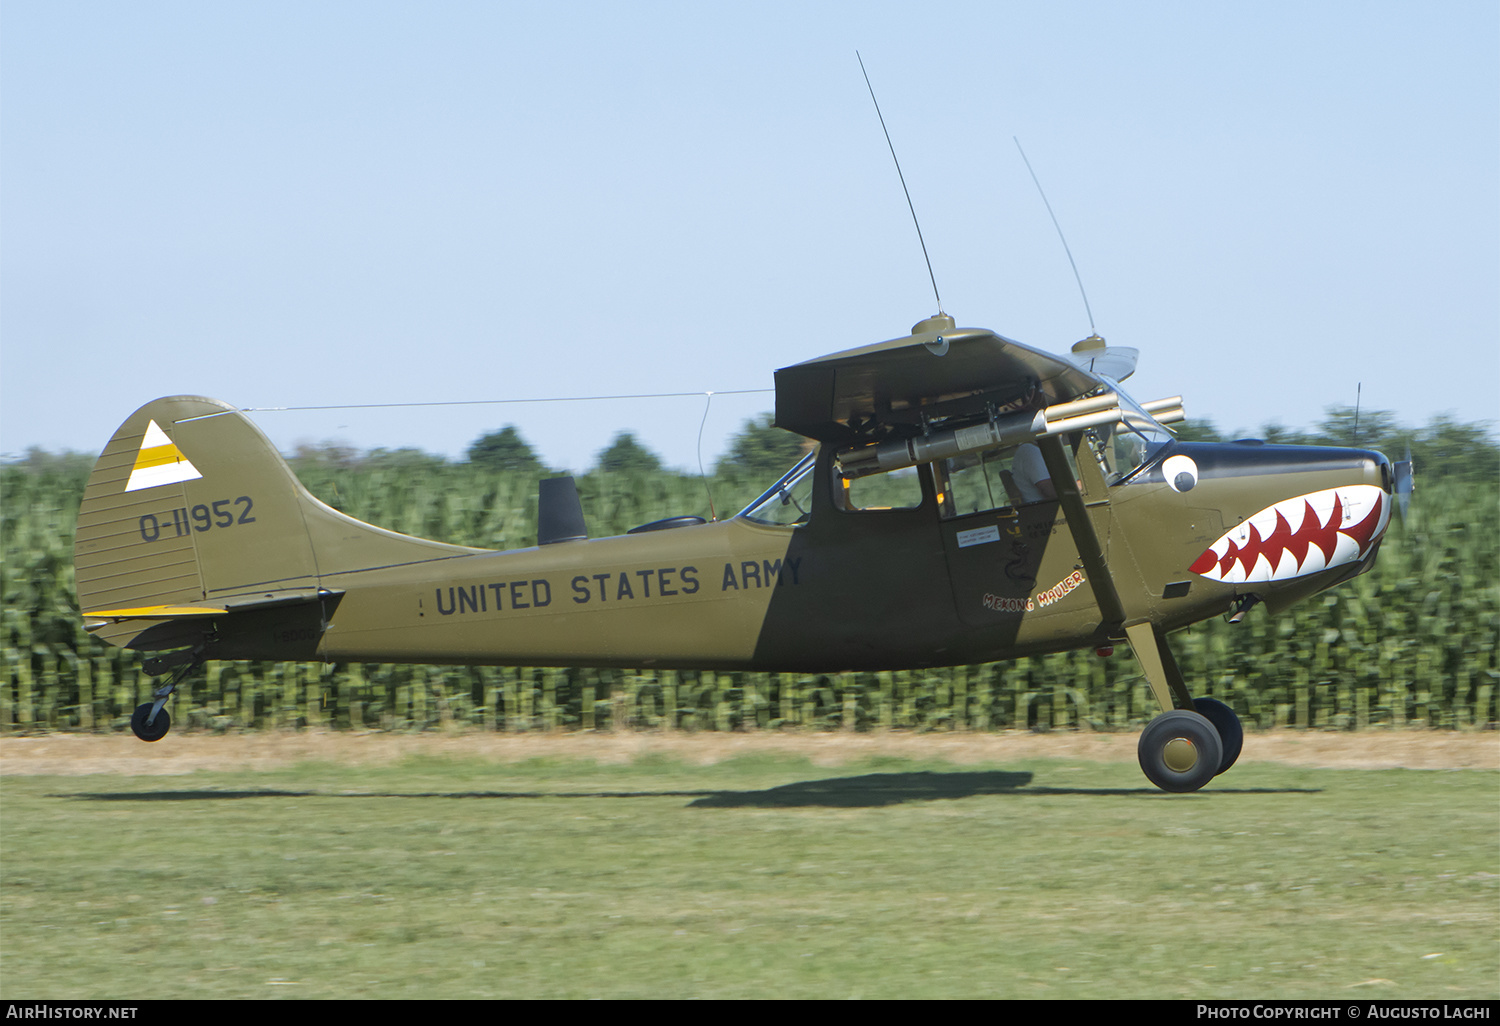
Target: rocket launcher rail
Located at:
point(1001, 431)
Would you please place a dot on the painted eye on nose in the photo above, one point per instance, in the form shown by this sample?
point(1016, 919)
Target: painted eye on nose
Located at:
point(1181, 473)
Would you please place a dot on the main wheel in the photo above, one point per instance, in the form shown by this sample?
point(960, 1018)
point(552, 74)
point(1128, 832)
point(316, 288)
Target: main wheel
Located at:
point(1180, 751)
point(1231, 734)
point(158, 727)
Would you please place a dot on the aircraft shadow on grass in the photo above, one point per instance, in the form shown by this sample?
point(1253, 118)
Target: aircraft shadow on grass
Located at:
point(877, 789)
point(869, 790)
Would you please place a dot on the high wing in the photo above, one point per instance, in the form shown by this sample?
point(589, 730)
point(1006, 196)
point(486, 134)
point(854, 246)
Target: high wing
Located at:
point(939, 371)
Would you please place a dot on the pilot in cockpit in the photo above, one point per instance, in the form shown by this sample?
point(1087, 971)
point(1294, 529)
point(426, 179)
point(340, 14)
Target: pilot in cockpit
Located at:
point(1029, 472)
point(974, 482)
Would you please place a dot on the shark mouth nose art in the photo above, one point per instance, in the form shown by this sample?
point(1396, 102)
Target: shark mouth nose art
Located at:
point(1298, 536)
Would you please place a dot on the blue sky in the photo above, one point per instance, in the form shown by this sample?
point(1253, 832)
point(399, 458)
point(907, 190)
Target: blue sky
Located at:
point(320, 203)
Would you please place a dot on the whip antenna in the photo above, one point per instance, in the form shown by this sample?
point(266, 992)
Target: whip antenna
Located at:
point(904, 189)
point(1077, 277)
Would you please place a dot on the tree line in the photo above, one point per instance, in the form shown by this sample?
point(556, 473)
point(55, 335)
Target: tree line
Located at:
point(757, 449)
point(1442, 449)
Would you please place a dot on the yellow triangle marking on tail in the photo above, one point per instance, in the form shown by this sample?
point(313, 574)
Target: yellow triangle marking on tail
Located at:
point(159, 462)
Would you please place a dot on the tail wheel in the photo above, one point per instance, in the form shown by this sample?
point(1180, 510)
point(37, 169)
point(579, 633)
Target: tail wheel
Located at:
point(156, 729)
point(1231, 734)
point(1180, 751)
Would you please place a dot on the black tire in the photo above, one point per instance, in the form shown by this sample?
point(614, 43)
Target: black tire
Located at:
point(158, 728)
point(1231, 734)
point(1180, 751)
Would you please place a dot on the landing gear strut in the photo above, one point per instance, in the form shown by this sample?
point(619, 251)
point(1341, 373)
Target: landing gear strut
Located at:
point(150, 721)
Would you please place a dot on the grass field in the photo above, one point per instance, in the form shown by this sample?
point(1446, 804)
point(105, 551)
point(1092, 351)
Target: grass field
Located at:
point(765, 875)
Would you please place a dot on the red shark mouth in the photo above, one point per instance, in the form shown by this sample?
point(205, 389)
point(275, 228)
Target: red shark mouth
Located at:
point(1333, 527)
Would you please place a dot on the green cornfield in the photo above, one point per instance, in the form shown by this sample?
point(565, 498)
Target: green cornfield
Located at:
point(1411, 644)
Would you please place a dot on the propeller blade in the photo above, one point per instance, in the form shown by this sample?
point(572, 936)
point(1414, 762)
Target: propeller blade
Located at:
point(1403, 485)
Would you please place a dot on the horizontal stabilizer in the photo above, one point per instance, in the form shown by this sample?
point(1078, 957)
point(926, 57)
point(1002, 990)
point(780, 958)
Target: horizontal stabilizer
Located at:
point(155, 612)
point(190, 610)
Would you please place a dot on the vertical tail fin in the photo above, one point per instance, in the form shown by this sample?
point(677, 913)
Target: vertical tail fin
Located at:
point(191, 513)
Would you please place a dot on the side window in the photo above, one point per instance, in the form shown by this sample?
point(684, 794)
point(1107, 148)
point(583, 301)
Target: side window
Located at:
point(896, 489)
point(989, 480)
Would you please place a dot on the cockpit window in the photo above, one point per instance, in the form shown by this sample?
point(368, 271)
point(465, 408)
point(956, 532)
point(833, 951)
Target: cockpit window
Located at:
point(789, 501)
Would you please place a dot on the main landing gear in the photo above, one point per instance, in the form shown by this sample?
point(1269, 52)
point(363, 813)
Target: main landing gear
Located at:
point(1195, 739)
point(150, 721)
point(1182, 750)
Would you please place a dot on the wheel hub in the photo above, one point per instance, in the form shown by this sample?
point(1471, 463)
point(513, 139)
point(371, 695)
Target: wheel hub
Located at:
point(1180, 755)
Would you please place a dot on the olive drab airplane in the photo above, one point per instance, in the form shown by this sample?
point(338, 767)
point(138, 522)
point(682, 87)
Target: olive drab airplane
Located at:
point(968, 499)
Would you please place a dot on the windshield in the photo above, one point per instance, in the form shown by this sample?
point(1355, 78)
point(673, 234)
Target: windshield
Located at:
point(789, 500)
point(1133, 440)
point(1131, 447)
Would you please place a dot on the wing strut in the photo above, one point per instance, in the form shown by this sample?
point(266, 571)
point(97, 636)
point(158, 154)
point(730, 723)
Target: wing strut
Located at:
point(1146, 639)
point(1090, 552)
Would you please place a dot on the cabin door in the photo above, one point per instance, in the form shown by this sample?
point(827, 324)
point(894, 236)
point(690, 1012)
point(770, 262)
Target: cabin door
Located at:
point(1008, 547)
